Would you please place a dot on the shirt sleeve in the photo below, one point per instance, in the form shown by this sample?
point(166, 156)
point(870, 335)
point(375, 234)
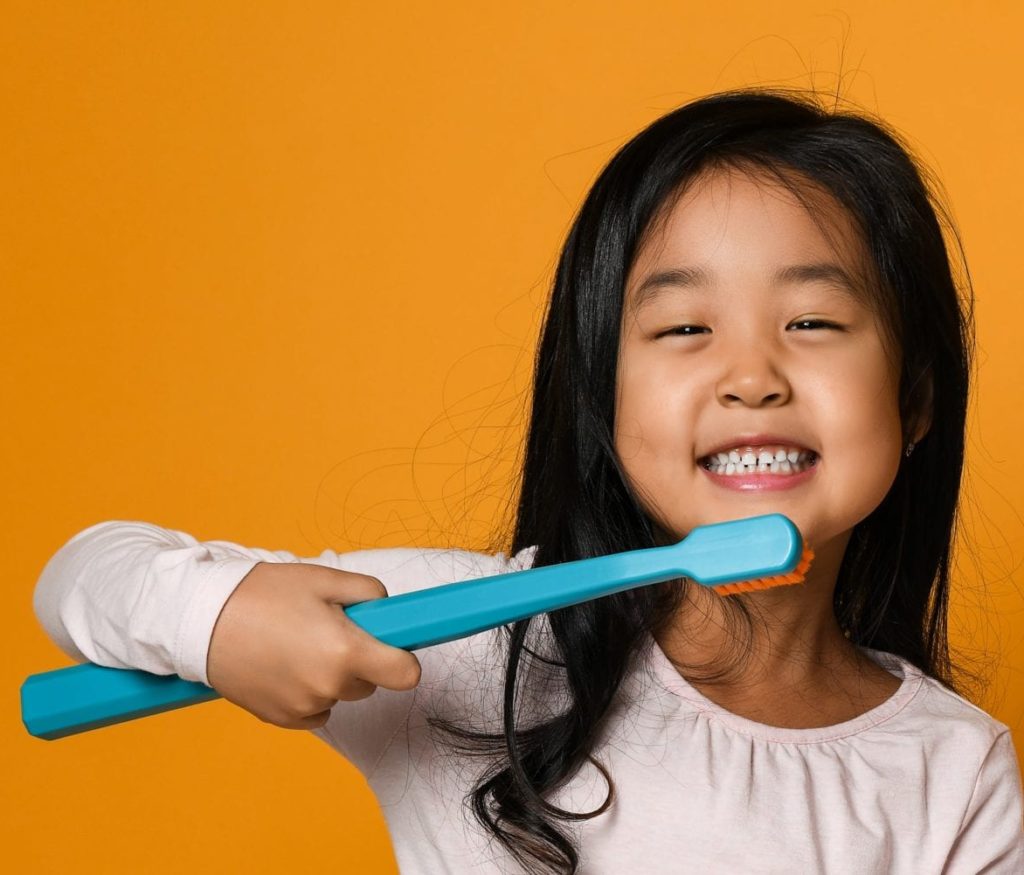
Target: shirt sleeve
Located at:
point(991, 839)
point(134, 595)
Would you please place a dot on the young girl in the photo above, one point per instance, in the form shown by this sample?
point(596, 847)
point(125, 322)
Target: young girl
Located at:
point(754, 312)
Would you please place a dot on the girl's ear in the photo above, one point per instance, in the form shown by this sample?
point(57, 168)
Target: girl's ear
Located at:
point(920, 421)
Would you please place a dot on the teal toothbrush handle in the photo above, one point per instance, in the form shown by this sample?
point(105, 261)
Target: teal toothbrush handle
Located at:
point(67, 701)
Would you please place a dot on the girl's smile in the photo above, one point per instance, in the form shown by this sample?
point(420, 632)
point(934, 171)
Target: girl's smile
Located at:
point(760, 462)
point(754, 375)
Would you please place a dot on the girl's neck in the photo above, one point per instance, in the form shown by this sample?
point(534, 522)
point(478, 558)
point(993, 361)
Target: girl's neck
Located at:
point(794, 636)
point(799, 669)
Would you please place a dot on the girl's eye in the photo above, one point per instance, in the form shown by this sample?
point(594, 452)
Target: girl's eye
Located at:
point(684, 330)
point(815, 323)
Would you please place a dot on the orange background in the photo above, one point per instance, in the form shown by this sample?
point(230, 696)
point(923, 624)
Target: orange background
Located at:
point(272, 273)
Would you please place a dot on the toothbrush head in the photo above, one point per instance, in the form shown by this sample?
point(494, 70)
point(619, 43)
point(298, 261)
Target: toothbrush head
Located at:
point(797, 575)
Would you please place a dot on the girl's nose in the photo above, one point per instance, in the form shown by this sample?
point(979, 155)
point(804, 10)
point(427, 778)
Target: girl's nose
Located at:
point(751, 380)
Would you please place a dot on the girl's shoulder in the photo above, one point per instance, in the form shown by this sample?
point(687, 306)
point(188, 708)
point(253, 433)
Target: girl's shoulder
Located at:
point(933, 709)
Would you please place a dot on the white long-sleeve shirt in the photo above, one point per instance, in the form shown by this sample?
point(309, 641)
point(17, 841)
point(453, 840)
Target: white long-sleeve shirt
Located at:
point(924, 783)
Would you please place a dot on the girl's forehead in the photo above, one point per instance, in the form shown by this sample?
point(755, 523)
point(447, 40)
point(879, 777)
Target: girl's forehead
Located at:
point(729, 213)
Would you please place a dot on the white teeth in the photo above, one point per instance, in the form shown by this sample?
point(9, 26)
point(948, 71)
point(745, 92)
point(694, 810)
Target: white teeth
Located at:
point(778, 462)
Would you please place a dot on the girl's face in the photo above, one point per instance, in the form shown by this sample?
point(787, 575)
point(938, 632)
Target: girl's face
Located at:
point(740, 339)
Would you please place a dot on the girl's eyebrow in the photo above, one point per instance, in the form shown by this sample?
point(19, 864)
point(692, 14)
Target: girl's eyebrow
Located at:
point(664, 281)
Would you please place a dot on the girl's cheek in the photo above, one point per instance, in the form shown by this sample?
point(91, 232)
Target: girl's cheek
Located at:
point(630, 425)
point(628, 440)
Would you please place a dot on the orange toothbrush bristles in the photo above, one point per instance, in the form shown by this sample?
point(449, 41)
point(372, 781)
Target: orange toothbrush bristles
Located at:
point(797, 575)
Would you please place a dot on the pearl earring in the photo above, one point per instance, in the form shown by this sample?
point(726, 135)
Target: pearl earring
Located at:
point(910, 449)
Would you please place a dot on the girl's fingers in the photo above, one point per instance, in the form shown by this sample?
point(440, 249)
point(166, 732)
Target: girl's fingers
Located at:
point(366, 662)
point(365, 669)
point(349, 588)
point(382, 666)
point(284, 650)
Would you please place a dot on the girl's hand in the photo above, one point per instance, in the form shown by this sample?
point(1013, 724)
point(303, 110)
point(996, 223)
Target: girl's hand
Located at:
point(283, 650)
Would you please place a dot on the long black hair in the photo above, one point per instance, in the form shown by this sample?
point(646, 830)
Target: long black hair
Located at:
point(575, 501)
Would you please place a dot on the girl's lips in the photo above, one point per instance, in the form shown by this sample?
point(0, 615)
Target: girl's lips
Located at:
point(761, 482)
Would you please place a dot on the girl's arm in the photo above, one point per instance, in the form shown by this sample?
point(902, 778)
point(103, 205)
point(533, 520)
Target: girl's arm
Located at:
point(265, 625)
point(134, 595)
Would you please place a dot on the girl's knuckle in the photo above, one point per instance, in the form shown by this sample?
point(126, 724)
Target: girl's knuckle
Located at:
point(323, 693)
point(371, 586)
point(342, 651)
